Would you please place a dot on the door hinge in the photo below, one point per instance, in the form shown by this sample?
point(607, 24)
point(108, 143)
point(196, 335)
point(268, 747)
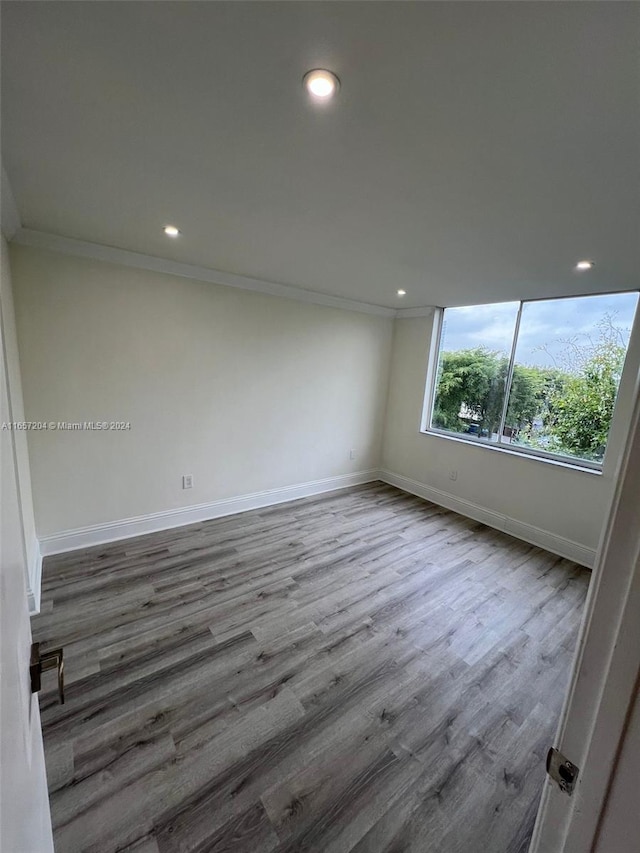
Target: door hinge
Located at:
point(562, 771)
point(40, 661)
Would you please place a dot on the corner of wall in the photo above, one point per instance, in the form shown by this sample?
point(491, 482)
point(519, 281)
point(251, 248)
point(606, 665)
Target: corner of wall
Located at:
point(552, 542)
point(427, 315)
point(35, 580)
point(387, 392)
point(8, 340)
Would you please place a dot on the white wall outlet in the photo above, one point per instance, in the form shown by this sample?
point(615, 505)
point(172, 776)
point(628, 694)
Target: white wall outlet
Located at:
point(352, 454)
point(453, 475)
point(187, 481)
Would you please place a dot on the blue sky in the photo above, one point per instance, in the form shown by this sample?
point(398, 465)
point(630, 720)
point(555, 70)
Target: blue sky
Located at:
point(543, 324)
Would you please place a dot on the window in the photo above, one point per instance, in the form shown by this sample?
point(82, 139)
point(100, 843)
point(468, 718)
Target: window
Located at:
point(538, 377)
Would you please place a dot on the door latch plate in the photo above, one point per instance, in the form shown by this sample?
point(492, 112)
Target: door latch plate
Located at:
point(40, 661)
point(562, 771)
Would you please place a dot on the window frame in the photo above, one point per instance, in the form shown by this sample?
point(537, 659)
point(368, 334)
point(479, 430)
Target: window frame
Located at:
point(526, 452)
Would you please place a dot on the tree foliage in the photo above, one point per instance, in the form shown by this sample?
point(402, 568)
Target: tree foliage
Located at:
point(581, 411)
point(566, 409)
point(470, 381)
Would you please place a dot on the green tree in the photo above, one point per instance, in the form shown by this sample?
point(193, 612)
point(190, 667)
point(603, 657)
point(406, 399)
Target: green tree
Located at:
point(526, 401)
point(471, 381)
point(566, 409)
point(579, 394)
point(580, 412)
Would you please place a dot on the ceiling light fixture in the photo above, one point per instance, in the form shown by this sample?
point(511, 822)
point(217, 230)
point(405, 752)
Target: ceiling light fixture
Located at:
point(401, 292)
point(585, 265)
point(171, 231)
point(321, 84)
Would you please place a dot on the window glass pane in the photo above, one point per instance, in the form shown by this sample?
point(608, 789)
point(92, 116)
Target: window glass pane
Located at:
point(569, 358)
point(473, 362)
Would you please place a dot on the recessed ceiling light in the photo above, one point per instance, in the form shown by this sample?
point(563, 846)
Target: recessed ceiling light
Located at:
point(401, 292)
point(585, 265)
point(171, 231)
point(321, 84)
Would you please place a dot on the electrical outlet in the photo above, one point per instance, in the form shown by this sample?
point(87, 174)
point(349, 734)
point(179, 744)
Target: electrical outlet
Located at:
point(453, 475)
point(187, 481)
point(352, 454)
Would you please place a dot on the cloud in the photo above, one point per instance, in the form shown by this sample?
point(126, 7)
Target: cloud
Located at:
point(543, 323)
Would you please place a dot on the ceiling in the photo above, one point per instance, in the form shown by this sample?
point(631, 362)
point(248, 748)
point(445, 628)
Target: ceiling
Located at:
point(474, 152)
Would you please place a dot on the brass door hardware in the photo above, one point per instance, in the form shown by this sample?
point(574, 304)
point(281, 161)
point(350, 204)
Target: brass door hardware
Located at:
point(562, 771)
point(47, 660)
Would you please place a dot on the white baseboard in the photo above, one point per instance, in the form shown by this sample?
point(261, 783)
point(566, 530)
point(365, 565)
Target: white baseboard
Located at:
point(35, 582)
point(528, 532)
point(112, 531)
point(100, 534)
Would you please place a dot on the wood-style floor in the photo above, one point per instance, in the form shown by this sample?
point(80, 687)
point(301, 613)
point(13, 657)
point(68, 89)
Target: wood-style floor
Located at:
point(363, 671)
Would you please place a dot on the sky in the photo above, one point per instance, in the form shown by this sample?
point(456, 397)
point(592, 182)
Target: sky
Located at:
point(544, 323)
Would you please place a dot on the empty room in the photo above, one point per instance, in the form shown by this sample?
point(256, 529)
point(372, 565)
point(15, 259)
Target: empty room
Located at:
point(320, 427)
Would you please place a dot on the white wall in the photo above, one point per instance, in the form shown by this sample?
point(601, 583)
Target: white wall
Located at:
point(25, 825)
point(552, 505)
point(248, 393)
point(245, 392)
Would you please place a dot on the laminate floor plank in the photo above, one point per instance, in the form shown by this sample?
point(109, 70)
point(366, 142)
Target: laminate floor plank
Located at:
point(358, 672)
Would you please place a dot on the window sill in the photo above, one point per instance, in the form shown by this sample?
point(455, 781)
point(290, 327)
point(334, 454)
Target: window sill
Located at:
point(521, 454)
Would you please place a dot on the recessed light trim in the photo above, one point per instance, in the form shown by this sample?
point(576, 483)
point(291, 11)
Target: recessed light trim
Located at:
point(321, 84)
point(171, 231)
point(581, 266)
point(401, 292)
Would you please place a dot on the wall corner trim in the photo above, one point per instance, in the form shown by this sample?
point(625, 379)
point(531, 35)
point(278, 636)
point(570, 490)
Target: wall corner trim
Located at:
point(521, 530)
point(35, 582)
point(9, 213)
point(126, 528)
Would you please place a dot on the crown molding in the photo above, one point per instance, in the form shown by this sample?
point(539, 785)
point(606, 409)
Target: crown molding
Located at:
point(10, 216)
point(425, 311)
point(124, 257)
